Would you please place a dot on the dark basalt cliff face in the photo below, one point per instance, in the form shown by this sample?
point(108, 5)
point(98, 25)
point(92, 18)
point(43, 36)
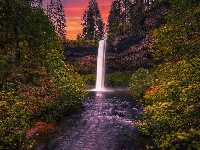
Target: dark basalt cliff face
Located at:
point(83, 59)
point(127, 50)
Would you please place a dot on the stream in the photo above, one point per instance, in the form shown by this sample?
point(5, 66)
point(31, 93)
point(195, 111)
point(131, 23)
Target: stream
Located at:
point(105, 123)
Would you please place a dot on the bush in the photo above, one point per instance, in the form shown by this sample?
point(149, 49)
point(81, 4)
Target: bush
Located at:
point(118, 79)
point(140, 81)
point(35, 83)
point(14, 120)
point(90, 80)
point(170, 92)
point(179, 38)
point(67, 83)
point(173, 109)
point(44, 94)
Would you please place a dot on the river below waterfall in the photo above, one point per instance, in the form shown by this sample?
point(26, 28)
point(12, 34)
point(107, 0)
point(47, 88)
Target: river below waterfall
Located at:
point(105, 123)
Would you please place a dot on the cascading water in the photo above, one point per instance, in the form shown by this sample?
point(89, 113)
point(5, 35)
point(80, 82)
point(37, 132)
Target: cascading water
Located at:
point(101, 66)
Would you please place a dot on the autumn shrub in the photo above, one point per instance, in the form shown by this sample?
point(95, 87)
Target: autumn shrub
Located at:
point(170, 96)
point(14, 120)
point(173, 109)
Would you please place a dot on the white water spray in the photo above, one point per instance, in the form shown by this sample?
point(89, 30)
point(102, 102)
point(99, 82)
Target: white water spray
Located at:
point(101, 66)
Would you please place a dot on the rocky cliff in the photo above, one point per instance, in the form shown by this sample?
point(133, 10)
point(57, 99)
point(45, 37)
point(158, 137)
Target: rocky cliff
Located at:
point(127, 50)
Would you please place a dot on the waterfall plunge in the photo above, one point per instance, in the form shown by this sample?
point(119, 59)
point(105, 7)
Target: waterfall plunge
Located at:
point(101, 66)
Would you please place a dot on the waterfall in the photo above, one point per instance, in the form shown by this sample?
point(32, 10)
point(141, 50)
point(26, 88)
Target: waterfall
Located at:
point(101, 66)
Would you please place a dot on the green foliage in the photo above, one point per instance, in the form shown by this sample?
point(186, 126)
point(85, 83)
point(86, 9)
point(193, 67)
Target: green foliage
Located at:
point(118, 29)
point(170, 91)
point(140, 81)
point(114, 17)
point(126, 12)
point(118, 79)
point(14, 120)
point(73, 88)
point(172, 109)
point(170, 37)
point(90, 80)
point(183, 3)
point(35, 83)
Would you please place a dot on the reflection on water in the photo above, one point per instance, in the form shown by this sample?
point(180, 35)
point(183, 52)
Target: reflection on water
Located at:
point(106, 123)
point(99, 95)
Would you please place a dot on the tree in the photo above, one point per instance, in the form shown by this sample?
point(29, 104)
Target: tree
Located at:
point(92, 22)
point(138, 8)
point(57, 16)
point(12, 23)
point(119, 14)
point(125, 13)
point(114, 15)
point(31, 72)
point(169, 92)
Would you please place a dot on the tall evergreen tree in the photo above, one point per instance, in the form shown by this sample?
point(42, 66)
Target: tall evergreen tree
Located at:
point(92, 22)
point(138, 8)
point(119, 13)
point(125, 13)
point(56, 14)
point(114, 15)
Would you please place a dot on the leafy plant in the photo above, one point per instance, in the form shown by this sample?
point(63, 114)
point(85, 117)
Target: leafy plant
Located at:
point(118, 79)
point(139, 82)
point(170, 37)
point(35, 83)
point(170, 91)
point(172, 110)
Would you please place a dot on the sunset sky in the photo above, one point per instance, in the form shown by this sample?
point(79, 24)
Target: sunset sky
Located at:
point(74, 10)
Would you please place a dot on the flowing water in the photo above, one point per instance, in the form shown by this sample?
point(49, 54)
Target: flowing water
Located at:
point(101, 66)
point(105, 123)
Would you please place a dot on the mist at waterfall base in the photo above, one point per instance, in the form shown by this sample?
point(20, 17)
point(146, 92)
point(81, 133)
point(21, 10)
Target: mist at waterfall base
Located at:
point(100, 74)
